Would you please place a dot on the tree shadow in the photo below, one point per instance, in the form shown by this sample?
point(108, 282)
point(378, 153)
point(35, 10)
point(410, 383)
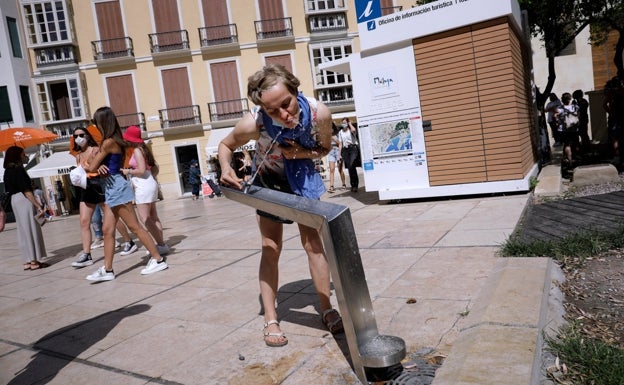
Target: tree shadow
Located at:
point(57, 349)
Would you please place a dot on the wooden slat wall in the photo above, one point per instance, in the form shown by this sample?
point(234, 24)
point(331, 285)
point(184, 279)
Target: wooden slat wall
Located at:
point(602, 61)
point(473, 87)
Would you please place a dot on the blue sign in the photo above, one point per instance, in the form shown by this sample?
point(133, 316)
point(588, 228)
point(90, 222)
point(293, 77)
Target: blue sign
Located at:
point(367, 10)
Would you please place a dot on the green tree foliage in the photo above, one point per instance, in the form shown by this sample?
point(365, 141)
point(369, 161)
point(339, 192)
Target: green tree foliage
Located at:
point(606, 16)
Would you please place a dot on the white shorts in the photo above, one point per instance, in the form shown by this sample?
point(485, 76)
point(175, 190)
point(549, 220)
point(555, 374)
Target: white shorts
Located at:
point(145, 188)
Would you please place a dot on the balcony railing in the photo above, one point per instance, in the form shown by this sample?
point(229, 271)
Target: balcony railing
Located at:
point(229, 109)
point(273, 28)
point(136, 119)
point(112, 48)
point(328, 22)
point(179, 116)
point(55, 56)
point(218, 35)
point(169, 41)
point(389, 10)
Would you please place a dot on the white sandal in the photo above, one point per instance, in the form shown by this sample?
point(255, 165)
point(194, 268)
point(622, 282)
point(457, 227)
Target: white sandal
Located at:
point(273, 335)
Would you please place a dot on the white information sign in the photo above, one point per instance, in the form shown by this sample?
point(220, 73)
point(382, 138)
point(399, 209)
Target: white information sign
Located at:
point(392, 143)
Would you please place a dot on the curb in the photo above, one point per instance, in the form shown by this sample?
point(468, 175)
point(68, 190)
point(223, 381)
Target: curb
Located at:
point(502, 342)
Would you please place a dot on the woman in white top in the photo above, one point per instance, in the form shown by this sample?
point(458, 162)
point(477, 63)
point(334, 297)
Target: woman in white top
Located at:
point(349, 151)
point(142, 165)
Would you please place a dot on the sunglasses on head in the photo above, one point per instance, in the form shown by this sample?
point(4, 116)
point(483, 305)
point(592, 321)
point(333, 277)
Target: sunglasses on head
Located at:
point(79, 135)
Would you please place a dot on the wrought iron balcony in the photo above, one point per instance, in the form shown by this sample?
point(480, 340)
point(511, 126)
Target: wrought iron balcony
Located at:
point(389, 10)
point(229, 109)
point(113, 49)
point(324, 6)
point(180, 117)
point(328, 22)
point(136, 119)
point(56, 56)
point(218, 35)
point(164, 42)
point(274, 28)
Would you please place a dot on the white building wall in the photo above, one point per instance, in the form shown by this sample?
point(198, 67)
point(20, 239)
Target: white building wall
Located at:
point(573, 71)
point(15, 71)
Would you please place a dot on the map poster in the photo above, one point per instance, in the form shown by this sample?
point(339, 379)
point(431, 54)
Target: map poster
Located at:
point(389, 120)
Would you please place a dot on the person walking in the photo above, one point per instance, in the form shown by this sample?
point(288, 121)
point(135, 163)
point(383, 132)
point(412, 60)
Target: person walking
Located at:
point(145, 186)
point(25, 208)
point(194, 178)
point(335, 160)
point(118, 195)
point(84, 146)
point(350, 151)
point(291, 131)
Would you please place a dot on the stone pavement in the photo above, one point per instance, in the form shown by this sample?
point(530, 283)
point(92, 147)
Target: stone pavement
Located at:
point(198, 322)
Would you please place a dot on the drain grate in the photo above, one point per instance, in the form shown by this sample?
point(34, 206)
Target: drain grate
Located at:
point(417, 371)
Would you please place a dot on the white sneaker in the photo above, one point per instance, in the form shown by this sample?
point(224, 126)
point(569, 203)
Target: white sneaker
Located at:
point(117, 244)
point(153, 266)
point(129, 248)
point(101, 275)
point(99, 242)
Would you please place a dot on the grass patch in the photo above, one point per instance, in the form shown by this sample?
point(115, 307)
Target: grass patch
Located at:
point(587, 361)
point(580, 245)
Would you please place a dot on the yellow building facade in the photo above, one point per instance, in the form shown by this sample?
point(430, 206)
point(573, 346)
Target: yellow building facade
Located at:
point(178, 69)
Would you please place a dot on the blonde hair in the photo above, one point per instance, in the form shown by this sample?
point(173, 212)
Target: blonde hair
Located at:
point(266, 78)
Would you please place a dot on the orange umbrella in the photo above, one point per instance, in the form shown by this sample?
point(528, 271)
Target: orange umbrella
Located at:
point(24, 137)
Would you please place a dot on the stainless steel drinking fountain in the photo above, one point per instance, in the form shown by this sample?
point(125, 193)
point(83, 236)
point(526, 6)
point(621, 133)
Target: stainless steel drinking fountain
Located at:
point(367, 347)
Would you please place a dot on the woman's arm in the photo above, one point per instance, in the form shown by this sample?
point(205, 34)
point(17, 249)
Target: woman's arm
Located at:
point(108, 147)
point(31, 197)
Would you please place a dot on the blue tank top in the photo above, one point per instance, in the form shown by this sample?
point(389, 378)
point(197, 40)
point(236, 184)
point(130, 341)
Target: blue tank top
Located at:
point(113, 162)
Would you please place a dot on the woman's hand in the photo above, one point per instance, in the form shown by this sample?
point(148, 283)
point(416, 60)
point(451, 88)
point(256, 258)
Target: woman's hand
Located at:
point(103, 169)
point(229, 178)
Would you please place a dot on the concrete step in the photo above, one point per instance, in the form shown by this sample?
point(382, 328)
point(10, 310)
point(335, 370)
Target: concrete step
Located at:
point(502, 342)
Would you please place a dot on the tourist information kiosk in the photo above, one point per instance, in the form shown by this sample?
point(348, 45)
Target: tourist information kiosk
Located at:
point(443, 99)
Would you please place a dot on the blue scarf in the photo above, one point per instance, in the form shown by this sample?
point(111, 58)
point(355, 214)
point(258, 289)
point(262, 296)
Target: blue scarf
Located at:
point(302, 176)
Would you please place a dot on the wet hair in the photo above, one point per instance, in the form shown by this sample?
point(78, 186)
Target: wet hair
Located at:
point(90, 141)
point(105, 120)
point(266, 78)
point(13, 157)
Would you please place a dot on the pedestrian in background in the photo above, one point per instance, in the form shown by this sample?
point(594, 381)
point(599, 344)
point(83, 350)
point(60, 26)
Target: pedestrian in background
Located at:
point(350, 151)
point(145, 186)
point(119, 196)
point(335, 160)
point(25, 208)
point(194, 178)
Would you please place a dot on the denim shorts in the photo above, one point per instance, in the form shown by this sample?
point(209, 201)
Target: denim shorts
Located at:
point(118, 190)
point(334, 155)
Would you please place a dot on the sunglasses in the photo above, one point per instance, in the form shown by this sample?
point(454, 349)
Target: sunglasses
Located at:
point(79, 135)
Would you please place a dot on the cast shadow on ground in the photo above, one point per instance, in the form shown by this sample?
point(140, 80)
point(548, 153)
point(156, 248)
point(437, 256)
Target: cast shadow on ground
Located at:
point(299, 295)
point(57, 349)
